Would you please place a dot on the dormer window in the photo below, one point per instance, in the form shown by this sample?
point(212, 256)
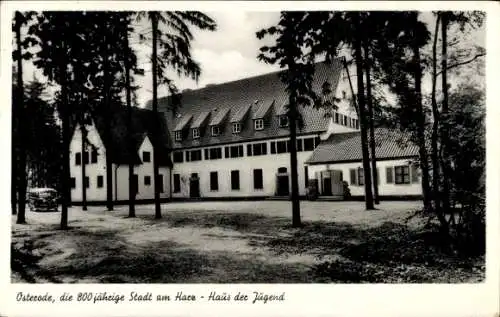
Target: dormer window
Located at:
point(259, 124)
point(236, 127)
point(178, 135)
point(283, 121)
point(196, 133)
point(215, 130)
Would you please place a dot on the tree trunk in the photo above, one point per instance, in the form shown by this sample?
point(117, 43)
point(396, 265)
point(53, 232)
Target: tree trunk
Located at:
point(296, 221)
point(362, 114)
point(107, 116)
point(420, 121)
point(84, 174)
point(372, 124)
point(445, 198)
point(131, 186)
point(21, 215)
point(435, 124)
point(154, 22)
point(66, 190)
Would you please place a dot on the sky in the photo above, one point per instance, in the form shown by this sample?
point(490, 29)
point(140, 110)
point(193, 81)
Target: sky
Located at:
point(227, 54)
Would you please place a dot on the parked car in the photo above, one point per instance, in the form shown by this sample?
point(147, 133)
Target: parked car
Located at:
point(43, 199)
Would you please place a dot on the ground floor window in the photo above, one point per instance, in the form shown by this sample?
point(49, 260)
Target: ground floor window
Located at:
point(73, 182)
point(258, 182)
point(214, 181)
point(147, 180)
point(177, 183)
point(100, 181)
point(87, 182)
point(402, 174)
point(235, 180)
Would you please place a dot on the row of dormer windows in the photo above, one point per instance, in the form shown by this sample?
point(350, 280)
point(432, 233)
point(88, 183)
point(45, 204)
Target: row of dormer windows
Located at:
point(235, 151)
point(236, 128)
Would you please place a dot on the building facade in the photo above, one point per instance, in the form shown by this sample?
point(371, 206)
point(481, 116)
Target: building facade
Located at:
point(231, 141)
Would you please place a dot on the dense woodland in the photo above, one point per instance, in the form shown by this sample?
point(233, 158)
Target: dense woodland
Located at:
point(89, 58)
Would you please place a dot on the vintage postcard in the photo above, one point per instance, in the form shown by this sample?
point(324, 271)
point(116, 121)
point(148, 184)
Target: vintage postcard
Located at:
point(250, 158)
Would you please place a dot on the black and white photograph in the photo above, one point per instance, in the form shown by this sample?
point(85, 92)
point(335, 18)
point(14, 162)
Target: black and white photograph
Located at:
point(246, 146)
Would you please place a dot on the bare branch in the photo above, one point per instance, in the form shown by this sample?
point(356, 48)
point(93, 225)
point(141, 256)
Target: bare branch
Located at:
point(463, 63)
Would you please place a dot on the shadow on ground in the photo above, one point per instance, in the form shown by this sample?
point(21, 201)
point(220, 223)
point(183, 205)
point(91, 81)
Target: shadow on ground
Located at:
point(390, 252)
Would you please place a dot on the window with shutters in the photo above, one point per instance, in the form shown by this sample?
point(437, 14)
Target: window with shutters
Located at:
point(177, 183)
point(214, 181)
point(402, 174)
point(235, 180)
point(361, 176)
point(78, 158)
point(258, 182)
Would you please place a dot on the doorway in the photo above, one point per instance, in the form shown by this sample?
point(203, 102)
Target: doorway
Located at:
point(282, 182)
point(194, 186)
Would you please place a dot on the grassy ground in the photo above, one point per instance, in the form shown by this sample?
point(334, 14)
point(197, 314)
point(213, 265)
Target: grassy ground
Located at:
point(236, 242)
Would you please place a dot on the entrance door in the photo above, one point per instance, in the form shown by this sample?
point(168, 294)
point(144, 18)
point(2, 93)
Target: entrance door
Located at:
point(327, 186)
point(194, 186)
point(283, 185)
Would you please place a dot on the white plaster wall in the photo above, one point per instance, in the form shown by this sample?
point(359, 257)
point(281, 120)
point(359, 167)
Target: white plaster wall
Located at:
point(145, 169)
point(268, 163)
point(119, 172)
point(384, 188)
point(92, 170)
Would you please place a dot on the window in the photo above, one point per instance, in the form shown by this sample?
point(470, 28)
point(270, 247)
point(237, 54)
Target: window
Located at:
point(281, 147)
point(273, 147)
point(336, 117)
point(178, 135)
point(249, 149)
point(147, 180)
point(146, 156)
point(317, 141)
point(415, 175)
point(194, 155)
point(306, 176)
point(283, 121)
point(87, 182)
point(100, 181)
point(196, 133)
point(361, 176)
point(78, 158)
point(93, 158)
point(299, 145)
point(282, 169)
point(73, 182)
point(236, 127)
point(258, 182)
point(357, 176)
point(259, 124)
point(177, 183)
point(213, 153)
point(343, 94)
point(159, 179)
point(235, 180)
point(178, 157)
point(234, 151)
point(215, 130)
point(214, 181)
point(402, 174)
point(309, 144)
point(85, 157)
point(135, 183)
point(257, 149)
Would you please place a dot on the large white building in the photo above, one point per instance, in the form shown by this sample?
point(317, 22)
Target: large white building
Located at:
point(231, 141)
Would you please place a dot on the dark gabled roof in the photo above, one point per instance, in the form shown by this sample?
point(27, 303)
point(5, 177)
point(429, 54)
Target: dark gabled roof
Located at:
point(184, 120)
point(346, 147)
point(142, 125)
point(263, 109)
point(219, 116)
point(239, 114)
point(238, 97)
point(200, 120)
